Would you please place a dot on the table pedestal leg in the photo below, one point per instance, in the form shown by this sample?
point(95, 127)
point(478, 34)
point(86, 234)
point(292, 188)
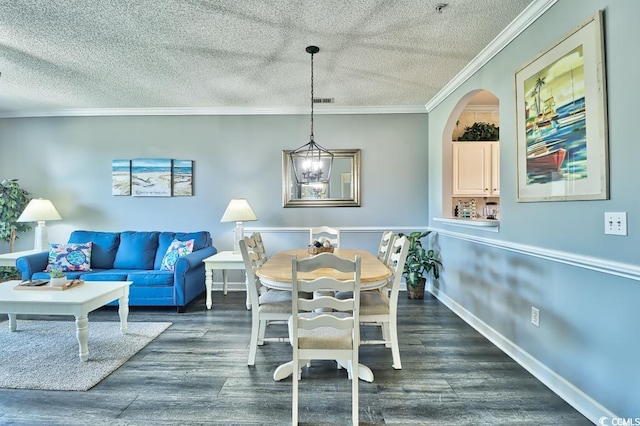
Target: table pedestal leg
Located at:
point(82, 334)
point(285, 370)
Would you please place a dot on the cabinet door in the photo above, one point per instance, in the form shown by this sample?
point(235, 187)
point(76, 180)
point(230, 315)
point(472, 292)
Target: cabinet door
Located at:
point(471, 168)
point(495, 168)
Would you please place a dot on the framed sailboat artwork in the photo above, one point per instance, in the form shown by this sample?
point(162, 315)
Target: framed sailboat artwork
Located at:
point(562, 146)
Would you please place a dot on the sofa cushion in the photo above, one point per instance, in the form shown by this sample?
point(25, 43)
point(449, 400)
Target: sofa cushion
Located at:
point(200, 239)
point(137, 250)
point(104, 246)
point(70, 257)
point(151, 278)
point(106, 275)
point(176, 250)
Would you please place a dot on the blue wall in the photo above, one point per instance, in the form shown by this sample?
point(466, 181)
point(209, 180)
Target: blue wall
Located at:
point(586, 346)
point(68, 160)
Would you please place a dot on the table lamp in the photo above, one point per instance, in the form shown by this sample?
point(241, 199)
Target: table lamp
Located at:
point(39, 210)
point(238, 211)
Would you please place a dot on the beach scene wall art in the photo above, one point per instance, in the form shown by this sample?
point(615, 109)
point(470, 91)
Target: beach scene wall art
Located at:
point(561, 118)
point(182, 178)
point(151, 177)
point(121, 177)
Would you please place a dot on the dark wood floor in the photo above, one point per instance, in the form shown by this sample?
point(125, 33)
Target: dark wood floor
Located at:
point(196, 373)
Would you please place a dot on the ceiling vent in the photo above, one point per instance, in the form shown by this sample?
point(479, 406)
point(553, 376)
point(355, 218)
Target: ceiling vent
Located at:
point(323, 100)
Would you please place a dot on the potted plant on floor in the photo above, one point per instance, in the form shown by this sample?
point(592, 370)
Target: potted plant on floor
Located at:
point(419, 264)
point(13, 200)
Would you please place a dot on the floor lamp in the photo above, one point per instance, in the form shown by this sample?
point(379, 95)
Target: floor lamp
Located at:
point(238, 211)
point(39, 210)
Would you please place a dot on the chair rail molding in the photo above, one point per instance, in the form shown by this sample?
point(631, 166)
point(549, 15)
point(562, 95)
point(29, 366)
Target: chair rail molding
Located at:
point(619, 269)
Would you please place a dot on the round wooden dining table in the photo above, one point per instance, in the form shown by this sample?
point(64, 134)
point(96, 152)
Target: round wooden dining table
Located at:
point(276, 273)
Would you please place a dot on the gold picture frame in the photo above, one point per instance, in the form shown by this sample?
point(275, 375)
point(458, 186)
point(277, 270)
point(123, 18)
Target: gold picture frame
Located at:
point(562, 147)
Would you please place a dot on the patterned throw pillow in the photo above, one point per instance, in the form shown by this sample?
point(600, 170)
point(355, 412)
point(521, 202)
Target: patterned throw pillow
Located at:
point(176, 250)
point(70, 257)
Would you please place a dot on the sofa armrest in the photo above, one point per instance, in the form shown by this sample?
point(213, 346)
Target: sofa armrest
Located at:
point(188, 278)
point(29, 265)
point(193, 260)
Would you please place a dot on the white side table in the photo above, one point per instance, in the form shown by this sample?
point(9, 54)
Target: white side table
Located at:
point(9, 259)
point(223, 260)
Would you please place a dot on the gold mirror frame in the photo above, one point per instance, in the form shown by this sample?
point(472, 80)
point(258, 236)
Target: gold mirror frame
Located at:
point(290, 191)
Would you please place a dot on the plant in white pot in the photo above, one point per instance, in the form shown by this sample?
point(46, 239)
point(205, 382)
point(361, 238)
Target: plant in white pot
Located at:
point(419, 264)
point(58, 278)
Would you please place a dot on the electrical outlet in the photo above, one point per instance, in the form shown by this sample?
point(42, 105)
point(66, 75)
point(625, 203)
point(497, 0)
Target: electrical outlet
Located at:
point(615, 223)
point(535, 316)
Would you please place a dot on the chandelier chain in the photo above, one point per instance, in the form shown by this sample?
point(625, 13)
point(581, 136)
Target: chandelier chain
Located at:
point(311, 97)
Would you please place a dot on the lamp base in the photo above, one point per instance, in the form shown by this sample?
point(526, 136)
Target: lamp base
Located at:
point(41, 242)
point(239, 234)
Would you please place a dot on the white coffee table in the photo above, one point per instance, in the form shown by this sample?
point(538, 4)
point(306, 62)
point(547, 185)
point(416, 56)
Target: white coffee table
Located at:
point(77, 301)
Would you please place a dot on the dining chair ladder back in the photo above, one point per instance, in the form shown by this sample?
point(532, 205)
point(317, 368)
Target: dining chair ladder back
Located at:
point(333, 234)
point(386, 242)
point(266, 307)
point(381, 309)
point(316, 334)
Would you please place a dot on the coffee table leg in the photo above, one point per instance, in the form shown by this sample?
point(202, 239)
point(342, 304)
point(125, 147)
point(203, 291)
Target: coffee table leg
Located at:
point(82, 334)
point(13, 325)
point(123, 310)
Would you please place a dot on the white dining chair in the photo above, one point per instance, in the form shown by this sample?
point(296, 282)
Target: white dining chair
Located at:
point(388, 237)
point(333, 234)
point(318, 335)
point(267, 306)
point(380, 308)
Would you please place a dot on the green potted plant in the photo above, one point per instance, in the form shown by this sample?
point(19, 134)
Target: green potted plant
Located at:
point(58, 277)
point(420, 262)
point(480, 131)
point(13, 200)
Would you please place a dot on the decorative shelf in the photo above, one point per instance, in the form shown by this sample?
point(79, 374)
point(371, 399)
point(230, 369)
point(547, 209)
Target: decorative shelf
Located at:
point(486, 224)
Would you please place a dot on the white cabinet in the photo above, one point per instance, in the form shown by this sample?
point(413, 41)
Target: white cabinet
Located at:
point(476, 169)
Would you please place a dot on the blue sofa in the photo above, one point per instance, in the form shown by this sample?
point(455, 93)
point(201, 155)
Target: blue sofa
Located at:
point(137, 257)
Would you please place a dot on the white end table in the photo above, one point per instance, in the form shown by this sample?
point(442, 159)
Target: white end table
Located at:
point(9, 259)
point(223, 260)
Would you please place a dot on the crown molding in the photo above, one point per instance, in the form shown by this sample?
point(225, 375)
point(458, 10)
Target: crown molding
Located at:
point(329, 109)
point(481, 108)
point(517, 26)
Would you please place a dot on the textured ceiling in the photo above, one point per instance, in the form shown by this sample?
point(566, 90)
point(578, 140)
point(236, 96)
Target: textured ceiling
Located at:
point(148, 54)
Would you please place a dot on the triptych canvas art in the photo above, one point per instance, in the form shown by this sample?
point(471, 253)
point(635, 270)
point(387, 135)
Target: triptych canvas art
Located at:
point(152, 177)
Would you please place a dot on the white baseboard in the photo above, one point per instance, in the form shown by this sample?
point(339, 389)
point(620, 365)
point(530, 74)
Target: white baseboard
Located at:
point(575, 397)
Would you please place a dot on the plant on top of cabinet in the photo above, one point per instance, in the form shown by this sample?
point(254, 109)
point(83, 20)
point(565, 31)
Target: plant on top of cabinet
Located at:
point(480, 131)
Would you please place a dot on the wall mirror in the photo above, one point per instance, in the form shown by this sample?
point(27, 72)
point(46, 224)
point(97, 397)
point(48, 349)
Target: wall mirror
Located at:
point(342, 190)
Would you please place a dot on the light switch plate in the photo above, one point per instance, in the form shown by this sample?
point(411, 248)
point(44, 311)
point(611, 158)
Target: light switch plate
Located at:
point(615, 223)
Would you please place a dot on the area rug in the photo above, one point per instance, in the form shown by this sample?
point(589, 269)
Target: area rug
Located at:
point(44, 354)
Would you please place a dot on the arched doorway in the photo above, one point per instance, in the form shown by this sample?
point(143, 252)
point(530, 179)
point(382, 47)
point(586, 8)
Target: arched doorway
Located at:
point(471, 176)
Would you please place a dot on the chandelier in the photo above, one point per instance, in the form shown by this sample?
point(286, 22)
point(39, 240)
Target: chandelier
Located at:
point(311, 163)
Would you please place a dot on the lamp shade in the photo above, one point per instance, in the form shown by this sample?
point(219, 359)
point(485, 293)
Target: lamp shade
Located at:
point(238, 210)
point(39, 210)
